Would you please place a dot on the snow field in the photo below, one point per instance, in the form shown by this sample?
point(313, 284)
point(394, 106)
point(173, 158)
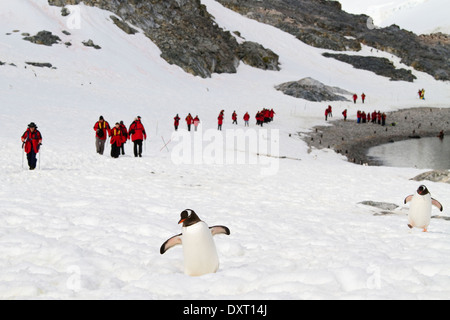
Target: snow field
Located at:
point(86, 226)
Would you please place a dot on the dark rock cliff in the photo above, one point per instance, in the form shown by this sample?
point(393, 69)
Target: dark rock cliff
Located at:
point(183, 30)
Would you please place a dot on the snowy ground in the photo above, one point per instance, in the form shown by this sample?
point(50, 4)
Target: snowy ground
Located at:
point(87, 226)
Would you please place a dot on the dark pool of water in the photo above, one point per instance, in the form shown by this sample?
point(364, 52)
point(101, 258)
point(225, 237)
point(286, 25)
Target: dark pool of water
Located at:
point(424, 153)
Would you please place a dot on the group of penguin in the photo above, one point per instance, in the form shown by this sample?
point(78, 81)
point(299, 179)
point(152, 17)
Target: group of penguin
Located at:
point(200, 254)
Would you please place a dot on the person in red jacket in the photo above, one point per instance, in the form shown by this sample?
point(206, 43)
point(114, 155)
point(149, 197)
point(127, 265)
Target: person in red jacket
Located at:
point(137, 134)
point(176, 122)
point(196, 122)
point(101, 128)
point(246, 119)
point(355, 97)
point(189, 121)
point(124, 131)
point(32, 140)
point(117, 140)
point(220, 120)
point(363, 97)
point(234, 117)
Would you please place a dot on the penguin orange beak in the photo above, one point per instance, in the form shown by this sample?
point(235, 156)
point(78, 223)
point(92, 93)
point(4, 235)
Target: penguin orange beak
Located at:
point(181, 221)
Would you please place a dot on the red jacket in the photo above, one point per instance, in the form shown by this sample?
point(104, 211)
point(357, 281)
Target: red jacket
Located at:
point(176, 121)
point(234, 116)
point(189, 119)
point(124, 132)
point(246, 117)
point(137, 131)
point(103, 126)
point(220, 118)
point(117, 137)
point(32, 140)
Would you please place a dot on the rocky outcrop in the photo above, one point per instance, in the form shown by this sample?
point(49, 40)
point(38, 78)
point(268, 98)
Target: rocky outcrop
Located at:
point(257, 56)
point(435, 176)
point(323, 24)
point(312, 90)
point(380, 66)
point(45, 38)
point(185, 33)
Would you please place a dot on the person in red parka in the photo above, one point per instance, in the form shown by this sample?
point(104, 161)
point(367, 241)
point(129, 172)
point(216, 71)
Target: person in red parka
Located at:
point(32, 140)
point(137, 134)
point(246, 119)
point(355, 97)
point(220, 120)
point(101, 128)
point(176, 122)
point(234, 117)
point(117, 140)
point(124, 131)
point(196, 122)
point(189, 121)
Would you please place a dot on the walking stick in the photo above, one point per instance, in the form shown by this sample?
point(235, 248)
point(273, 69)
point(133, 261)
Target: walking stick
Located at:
point(40, 153)
point(23, 151)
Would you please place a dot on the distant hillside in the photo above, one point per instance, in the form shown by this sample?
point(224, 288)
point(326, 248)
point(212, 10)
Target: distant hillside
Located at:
point(188, 36)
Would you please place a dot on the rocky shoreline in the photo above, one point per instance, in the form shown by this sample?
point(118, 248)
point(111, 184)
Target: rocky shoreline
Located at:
point(354, 140)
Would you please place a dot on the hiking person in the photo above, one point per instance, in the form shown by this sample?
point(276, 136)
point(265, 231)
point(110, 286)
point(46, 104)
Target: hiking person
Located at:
point(101, 128)
point(137, 134)
point(355, 97)
point(176, 122)
point(246, 119)
point(344, 113)
point(326, 114)
point(189, 121)
point(124, 132)
point(32, 140)
point(234, 117)
point(363, 97)
point(117, 140)
point(220, 120)
point(196, 122)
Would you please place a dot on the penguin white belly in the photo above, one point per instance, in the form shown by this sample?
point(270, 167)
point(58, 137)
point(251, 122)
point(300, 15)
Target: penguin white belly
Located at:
point(199, 250)
point(419, 215)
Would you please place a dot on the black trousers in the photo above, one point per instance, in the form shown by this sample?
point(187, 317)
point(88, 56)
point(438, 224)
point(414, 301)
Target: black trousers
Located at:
point(137, 148)
point(31, 157)
point(115, 151)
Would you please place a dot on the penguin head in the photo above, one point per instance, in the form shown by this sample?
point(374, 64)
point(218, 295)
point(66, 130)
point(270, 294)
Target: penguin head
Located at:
point(422, 190)
point(188, 217)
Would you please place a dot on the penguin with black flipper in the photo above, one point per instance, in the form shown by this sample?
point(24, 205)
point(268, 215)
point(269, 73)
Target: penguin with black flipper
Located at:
point(199, 249)
point(419, 214)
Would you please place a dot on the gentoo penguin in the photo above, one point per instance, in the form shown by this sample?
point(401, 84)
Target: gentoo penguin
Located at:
point(419, 214)
point(199, 250)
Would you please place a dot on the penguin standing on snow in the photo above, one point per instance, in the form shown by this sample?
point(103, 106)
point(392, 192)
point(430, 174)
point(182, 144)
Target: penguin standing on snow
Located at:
point(199, 250)
point(419, 214)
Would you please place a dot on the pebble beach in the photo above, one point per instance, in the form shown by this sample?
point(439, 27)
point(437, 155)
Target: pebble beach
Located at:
point(354, 139)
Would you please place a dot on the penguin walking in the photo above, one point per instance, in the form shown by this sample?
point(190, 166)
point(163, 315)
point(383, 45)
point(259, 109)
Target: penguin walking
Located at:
point(419, 214)
point(199, 249)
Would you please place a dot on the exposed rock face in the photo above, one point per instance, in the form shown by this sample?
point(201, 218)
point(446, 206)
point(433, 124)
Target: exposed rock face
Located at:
point(323, 24)
point(380, 66)
point(45, 38)
point(185, 33)
point(182, 29)
point(256, 55)
point(312, 90)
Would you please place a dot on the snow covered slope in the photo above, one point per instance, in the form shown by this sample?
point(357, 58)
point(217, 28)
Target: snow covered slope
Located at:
point(418, 16)
point(89, 226)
